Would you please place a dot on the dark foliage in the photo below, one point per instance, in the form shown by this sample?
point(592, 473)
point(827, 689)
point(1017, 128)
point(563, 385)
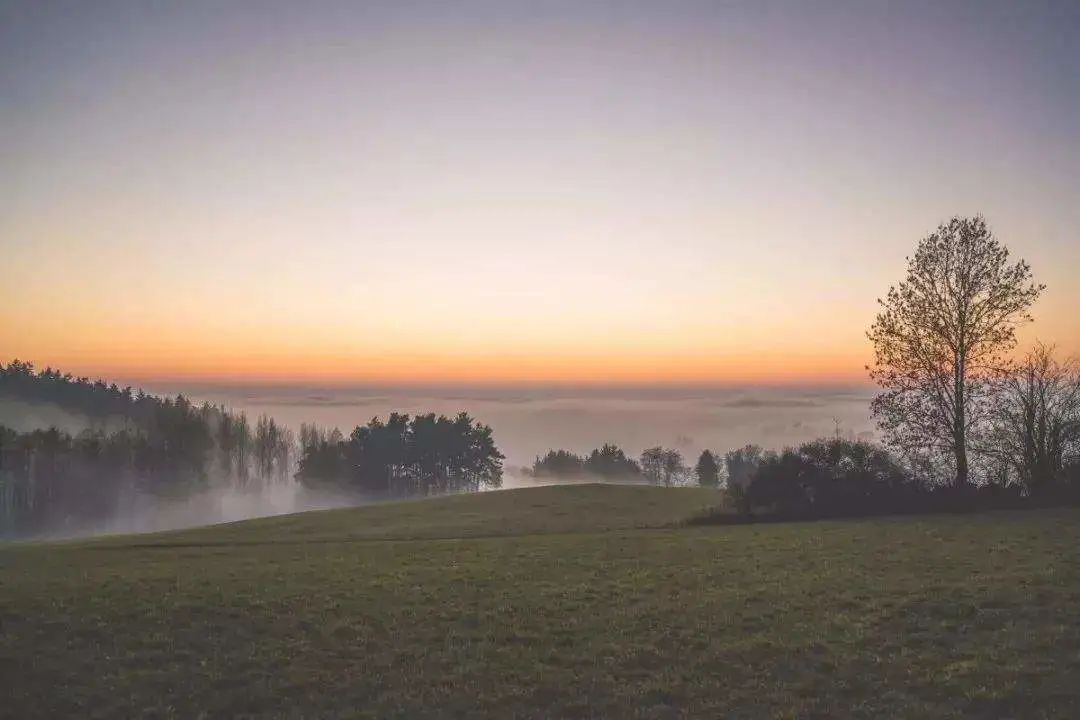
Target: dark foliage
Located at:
point(707, 470)
point(403, 456)
point(834, 478)
point(558, 464)
point(135, 444)
point(741, 465)
point(829, 478)
point(609, 462)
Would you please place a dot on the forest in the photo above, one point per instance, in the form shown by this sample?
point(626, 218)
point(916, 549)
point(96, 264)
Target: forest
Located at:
point(136, 446)
point(133, 444)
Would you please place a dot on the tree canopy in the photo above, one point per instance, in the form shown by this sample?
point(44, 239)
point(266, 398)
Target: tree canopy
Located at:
point(707, 470)
point(404, 456)
point(941, 338)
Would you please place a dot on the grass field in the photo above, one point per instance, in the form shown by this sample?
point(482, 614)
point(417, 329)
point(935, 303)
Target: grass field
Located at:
point(553, 602)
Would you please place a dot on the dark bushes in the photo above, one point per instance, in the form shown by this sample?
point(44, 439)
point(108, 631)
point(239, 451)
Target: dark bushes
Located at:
point(828, 478)
point(836, 478)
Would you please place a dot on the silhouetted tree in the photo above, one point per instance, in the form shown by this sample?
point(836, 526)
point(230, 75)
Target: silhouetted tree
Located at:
point(707, 470)
point(611, 463)
point(404, 456)
point(662, 466)
point(1037, 419)
point(741, 465)
point(559, 464)
point(941, 335)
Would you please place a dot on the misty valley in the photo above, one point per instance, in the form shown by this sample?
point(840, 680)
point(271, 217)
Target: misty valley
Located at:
point(548, 360)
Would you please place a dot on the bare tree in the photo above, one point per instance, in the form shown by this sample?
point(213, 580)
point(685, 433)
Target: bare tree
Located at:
point(1038, 418)
point(652, 464)
point(675, 469)
point(941, 337)
point(663, 466)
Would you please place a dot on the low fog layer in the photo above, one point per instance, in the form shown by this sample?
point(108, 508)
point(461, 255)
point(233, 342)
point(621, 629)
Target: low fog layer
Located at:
point(140, 512)
point(24, 416)
point(528, 422)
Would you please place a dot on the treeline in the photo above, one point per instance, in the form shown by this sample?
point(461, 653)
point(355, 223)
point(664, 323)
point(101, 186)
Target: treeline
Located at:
point(135, 445)
point(837, 477)
point(656, 465)
point(92, 399)
point(404, 456)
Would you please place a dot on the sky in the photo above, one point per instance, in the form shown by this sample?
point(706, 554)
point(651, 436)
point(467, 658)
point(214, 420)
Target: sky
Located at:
point(502, 192)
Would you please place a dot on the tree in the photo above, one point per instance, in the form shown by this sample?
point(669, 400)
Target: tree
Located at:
point(707, 470)
point(610, 462)
point(1037, 419)
point(404, 456)
point(675, 469)
point(559, 464)
point(941, 337)
point(652, 464)
point(741, 465)
point(662, 466)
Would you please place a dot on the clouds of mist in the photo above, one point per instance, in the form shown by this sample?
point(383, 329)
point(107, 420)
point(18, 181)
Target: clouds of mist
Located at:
point(135, 509)
point(139, 512)
point(23, 417)
point(529, 421)
point(526, 423)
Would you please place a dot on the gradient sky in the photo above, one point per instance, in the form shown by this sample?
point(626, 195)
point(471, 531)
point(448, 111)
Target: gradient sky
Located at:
point(515, 192)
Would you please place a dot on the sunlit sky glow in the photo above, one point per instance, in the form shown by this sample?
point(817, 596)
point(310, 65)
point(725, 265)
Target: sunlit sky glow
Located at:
point(515, 192)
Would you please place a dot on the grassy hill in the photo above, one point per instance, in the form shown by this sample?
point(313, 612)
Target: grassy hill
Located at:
point(588, 601)
point(548, 509)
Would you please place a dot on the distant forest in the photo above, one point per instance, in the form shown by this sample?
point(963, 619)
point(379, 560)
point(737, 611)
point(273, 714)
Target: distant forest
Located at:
point(134, 444)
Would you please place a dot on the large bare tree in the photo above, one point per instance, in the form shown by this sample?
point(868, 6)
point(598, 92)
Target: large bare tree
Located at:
point(1037, 418)
point(943, 334)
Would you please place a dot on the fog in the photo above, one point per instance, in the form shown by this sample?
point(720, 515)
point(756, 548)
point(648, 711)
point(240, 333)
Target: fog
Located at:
point(526, 423)
point(24, 416)
point(142, 512)
point(529, 421)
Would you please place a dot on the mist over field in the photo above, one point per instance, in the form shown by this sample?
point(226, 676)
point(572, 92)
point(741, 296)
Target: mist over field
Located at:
point(143, 512)
point(526, 423)
point(529, 421)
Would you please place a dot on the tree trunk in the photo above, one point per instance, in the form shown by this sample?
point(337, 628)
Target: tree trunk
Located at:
point(960, 448)
point(960, 422)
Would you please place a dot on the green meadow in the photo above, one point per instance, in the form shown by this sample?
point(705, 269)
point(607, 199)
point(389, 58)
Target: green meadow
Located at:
point(572, 601)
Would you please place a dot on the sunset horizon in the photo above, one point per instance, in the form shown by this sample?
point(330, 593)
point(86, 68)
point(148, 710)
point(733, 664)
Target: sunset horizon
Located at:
point(504, 193)
point(559, 359)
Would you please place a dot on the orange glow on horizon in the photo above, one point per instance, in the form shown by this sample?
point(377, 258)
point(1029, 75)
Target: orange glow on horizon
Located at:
point(203, 352)
point(711, 195)
point(494, 369)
